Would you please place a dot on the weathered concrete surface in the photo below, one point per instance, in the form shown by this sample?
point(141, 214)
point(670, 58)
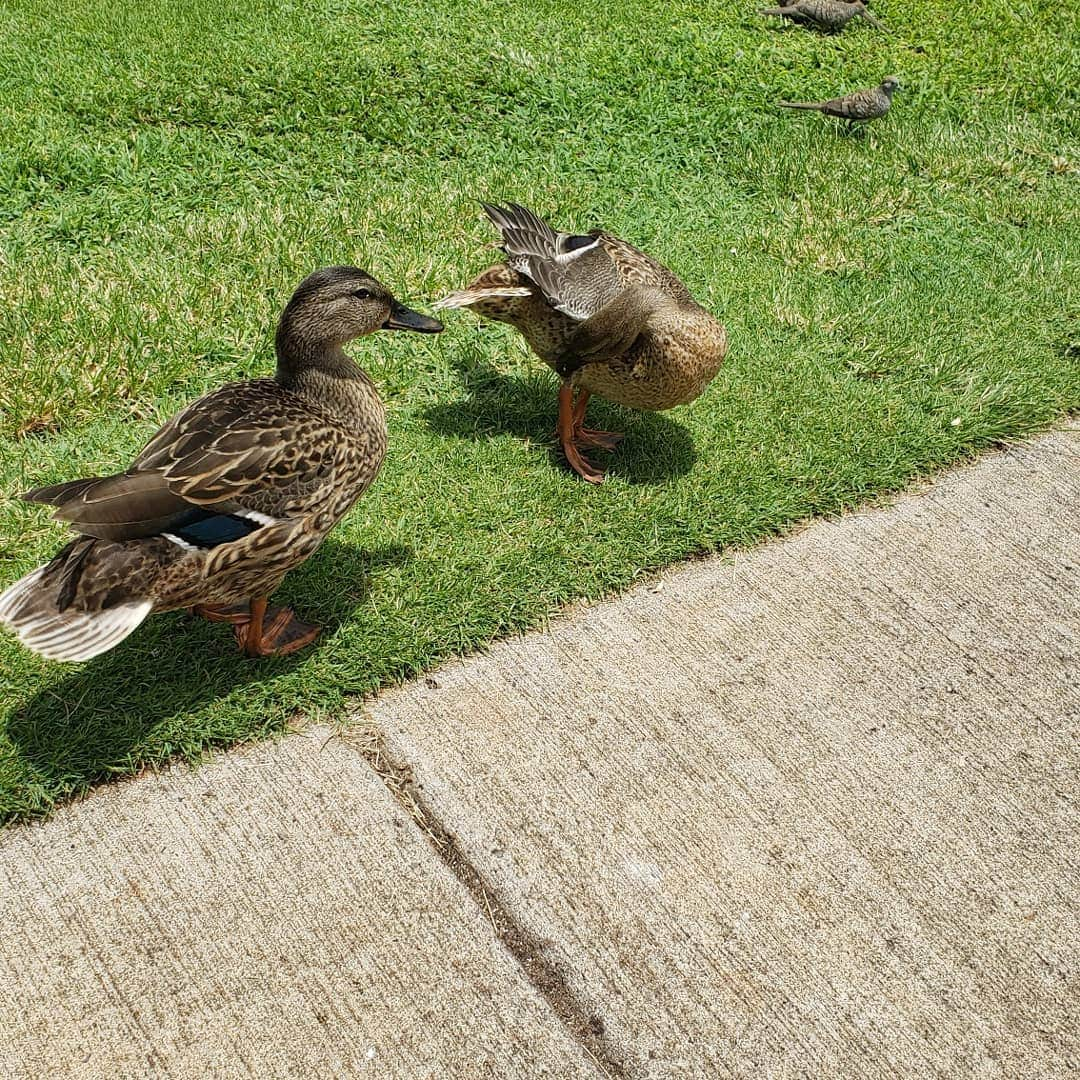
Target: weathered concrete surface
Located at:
point(272, 914)
point(811, 811)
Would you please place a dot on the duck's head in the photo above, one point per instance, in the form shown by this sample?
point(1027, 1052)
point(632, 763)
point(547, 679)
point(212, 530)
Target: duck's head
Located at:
point(338, 303)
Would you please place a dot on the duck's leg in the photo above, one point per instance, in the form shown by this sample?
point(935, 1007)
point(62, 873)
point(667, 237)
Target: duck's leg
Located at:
point(604, 336)
point(583, 436)
point(574, 457)
point(272, 631)
point(237, 614)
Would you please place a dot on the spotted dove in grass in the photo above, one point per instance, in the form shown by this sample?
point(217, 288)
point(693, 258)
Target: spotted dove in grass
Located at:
point(829, 15)
point(861, 105)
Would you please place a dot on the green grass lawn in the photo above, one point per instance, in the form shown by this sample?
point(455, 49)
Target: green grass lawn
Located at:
point(896, 300)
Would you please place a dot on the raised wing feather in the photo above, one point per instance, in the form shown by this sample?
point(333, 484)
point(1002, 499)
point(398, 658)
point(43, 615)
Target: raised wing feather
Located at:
point(524, 234)
point(573, 271)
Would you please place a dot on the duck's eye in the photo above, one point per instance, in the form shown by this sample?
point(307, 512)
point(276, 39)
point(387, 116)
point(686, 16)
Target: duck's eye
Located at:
point(362, 294)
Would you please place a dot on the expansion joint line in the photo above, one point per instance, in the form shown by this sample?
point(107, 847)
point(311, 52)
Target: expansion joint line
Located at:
point(527, 950)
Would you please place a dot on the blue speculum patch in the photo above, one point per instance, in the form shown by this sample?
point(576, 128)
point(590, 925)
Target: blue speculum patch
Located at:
point(213, 529)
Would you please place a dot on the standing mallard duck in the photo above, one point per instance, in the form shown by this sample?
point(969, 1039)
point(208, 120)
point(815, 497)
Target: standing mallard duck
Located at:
point(606, 317)
point(231, 494)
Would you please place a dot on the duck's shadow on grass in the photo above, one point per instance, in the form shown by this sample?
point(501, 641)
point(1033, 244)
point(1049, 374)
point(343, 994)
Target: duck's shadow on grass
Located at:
point(102, 717)
point(656, 448)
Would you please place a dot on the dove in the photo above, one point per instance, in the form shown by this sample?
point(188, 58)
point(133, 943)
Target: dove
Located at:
point(823, 14)
point(869, 104)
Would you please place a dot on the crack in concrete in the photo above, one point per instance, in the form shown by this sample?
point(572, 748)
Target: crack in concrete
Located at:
point(548, 978)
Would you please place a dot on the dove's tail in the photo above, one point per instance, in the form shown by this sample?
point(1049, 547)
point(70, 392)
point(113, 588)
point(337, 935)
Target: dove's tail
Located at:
point(812, 105)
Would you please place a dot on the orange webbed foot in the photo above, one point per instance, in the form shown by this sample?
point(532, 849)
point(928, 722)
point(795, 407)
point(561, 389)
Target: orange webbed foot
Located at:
point(279, 634)
point(602, 440)
point(237, 614)
point(581, 464)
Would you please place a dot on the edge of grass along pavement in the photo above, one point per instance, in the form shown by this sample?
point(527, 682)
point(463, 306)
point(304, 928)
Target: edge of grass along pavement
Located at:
point(896, 300)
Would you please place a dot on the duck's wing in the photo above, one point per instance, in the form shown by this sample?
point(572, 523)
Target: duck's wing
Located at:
point(573, 271)
point(126, 506)
point(206, 472)
point(241, 441)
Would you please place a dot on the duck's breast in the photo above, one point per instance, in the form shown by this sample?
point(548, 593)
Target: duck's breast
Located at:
point(670, 364)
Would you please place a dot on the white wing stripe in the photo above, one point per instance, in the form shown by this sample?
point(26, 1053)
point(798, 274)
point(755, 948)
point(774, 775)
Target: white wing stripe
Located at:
point(565, 257)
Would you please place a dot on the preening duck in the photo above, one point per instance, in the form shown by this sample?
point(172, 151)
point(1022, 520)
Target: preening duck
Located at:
point(607, 318)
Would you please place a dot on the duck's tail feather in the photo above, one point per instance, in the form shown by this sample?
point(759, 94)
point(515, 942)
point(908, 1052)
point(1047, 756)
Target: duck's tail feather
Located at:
point(468, 297)
point(37, 608)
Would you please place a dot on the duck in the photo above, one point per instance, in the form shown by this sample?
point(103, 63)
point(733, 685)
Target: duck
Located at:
point(608, 319)
point(230, 494)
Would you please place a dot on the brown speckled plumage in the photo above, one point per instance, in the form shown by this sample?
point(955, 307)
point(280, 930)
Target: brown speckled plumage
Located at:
point(674, 351)
point(605, 316)
point(230, 494)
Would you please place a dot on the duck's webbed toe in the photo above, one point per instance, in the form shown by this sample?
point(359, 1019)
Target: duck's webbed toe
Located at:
point(273, 631)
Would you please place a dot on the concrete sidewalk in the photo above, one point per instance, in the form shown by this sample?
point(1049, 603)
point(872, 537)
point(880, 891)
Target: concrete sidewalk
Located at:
point(807, 811)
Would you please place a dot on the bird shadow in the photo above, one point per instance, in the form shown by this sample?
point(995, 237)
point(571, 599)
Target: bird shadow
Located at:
point(96, 721)
point(656, 448)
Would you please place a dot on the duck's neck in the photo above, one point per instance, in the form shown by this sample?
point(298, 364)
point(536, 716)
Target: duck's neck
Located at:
point(326, 377)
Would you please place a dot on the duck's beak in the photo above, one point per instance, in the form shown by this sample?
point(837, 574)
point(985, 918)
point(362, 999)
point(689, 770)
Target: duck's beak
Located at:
point(403, 318)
